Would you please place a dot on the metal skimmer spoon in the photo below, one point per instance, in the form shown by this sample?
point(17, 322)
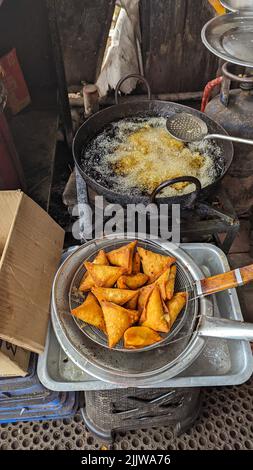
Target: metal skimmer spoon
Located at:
point(189, 128)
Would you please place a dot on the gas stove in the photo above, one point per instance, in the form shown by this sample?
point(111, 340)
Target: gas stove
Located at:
point(213, 221)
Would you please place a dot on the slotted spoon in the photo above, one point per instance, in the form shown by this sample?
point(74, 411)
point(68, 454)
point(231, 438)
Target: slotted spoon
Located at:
point(189, 128)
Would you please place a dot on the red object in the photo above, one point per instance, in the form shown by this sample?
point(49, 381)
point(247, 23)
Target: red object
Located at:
point(18, 94)
point(10, 170)
point(207, 92)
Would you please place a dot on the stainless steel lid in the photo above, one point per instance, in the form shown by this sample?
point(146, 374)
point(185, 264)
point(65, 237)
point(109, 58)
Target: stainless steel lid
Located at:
point(142, 368)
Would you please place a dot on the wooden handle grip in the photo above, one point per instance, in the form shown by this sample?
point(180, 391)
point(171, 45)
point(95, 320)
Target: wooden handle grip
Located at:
point(228, 280)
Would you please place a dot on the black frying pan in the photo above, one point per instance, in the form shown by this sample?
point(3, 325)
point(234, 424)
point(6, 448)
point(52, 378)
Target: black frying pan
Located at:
point(96, 124)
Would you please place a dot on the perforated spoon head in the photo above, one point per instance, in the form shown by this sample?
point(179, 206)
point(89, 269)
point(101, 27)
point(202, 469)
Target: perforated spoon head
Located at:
point(186, 127)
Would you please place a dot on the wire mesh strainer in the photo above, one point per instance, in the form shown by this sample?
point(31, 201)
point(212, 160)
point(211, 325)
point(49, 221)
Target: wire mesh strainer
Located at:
point(183, 279)
point(188, 128)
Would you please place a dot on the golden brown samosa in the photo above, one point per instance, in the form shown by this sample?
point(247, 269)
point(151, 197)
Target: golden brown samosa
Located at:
point(117, 321)
point(90, 312)
point(133, 303)
point(154, 263)
point(87, 281)
point(136, 263)
point(104, 276)
point(140, 336)
point(170, 285)
point(117, 296)
point(123, 256)
point(132, 281)
point(175, 306)
point(153, 315)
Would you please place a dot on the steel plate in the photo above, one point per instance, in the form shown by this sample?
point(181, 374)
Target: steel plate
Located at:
point(236, 5)
point(230, 37)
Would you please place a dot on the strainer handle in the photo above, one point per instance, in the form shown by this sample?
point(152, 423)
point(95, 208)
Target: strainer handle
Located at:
point(224, 281)
point(180, 179)
point(226, 329)
point(140, 78)
point(228, 137)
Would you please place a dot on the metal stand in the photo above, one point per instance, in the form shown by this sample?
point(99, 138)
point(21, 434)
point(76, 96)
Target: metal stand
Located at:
point(109, 411)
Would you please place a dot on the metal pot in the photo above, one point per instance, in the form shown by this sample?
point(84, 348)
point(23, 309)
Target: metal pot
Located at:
point(96, 123)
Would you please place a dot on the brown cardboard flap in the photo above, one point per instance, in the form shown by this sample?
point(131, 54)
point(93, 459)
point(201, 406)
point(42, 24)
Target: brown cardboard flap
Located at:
point(14, 361)
point(29, 261)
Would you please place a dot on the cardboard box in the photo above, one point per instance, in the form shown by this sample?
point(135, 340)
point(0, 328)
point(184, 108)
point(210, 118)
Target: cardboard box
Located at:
point(14, 361)
point(30, 249)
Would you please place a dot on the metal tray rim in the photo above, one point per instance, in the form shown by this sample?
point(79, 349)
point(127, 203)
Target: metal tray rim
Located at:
point(226, 379)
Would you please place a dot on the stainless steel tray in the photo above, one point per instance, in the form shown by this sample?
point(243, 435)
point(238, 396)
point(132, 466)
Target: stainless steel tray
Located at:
point(222, 362)
point(230, 37)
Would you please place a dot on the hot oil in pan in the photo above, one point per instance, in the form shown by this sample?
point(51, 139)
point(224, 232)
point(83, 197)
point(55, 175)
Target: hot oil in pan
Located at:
point(137, 154)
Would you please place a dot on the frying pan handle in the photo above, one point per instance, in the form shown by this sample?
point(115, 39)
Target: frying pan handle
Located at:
point(132, 75)
point(229, 280)
point(180, 179)
point(227, 329)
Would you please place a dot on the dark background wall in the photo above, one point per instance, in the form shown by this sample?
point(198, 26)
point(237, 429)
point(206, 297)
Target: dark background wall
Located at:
point(24, 25)
point(174, 57)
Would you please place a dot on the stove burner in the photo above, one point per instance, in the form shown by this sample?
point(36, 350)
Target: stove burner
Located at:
point(211, 221)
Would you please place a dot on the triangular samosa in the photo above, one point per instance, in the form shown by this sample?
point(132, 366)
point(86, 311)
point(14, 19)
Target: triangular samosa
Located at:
point(140, 336)
point(136, 263)
point(132, 304)
point(162, 282)
point(104, 276)
point(134, 316)
point(175, 306)
point(117, 321)
point(154, 263)
point(153, 313)
point(90, 312)
point(171, 282)
point(87, 282)
point(117, 296)
point(132, 281)
point(144, 293)
point(123, 256)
